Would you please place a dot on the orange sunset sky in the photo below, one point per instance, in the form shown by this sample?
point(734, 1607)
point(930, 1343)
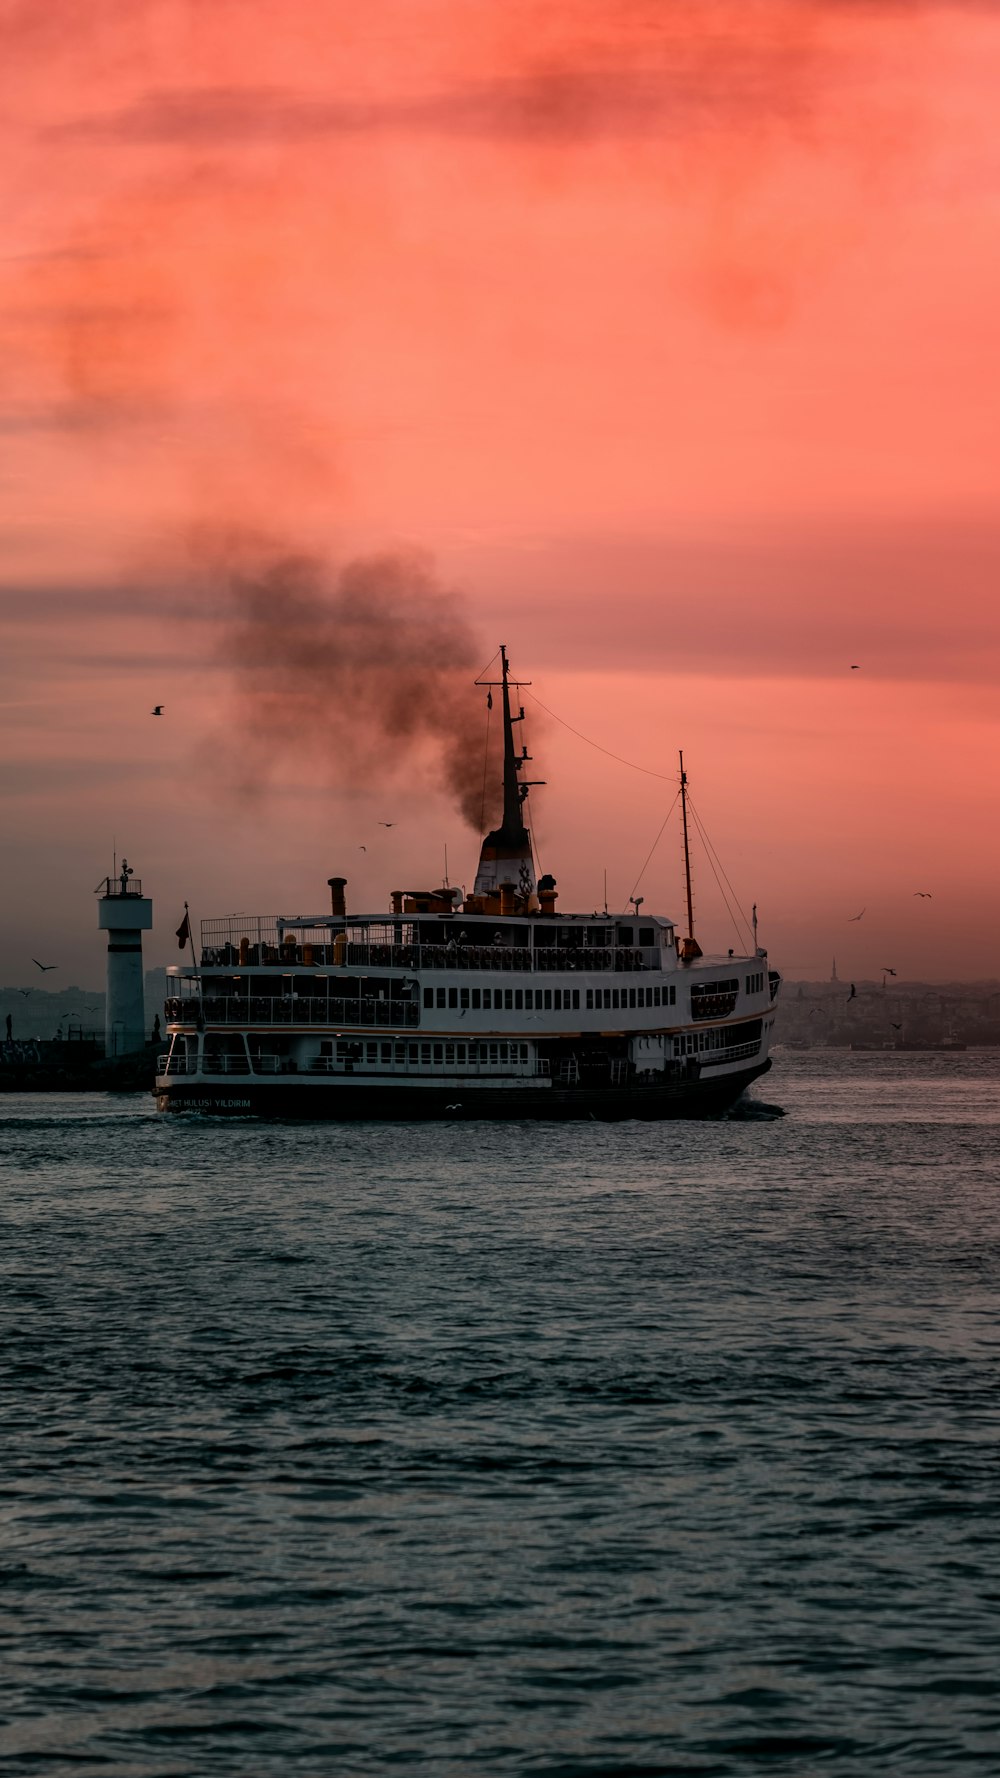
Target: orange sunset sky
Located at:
point(660, 341)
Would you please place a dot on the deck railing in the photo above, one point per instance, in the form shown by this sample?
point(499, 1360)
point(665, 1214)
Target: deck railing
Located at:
point(302, 1010)
point(341, 953)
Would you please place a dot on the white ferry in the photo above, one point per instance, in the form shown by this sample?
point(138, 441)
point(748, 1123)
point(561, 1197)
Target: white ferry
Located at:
point(492, 1006)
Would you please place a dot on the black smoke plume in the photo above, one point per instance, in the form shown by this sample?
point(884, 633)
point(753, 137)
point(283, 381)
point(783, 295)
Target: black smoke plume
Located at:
point(364, 669)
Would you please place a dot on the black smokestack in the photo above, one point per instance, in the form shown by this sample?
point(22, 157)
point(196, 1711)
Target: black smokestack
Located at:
point(361, 663)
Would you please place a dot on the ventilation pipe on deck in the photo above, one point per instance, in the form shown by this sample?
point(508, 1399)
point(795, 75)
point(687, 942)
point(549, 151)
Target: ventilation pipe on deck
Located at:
point(547, 894)
point(338, 905)
point(507, 892)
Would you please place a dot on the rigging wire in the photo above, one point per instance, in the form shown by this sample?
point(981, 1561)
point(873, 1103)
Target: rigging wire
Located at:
point(656, 842)
point(486, 668)
point(486, 763)
point(666, 777)
point(714, 860)
point(532, 836)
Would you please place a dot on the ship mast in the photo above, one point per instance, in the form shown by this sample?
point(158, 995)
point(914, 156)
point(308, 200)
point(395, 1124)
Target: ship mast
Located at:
point(505, 862)
point(687, 850)
point(513, 821)
point(690, 946)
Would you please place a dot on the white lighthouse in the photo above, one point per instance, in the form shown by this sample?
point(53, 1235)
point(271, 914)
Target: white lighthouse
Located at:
point(124, 913)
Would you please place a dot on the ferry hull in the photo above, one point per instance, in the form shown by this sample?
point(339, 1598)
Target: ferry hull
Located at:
point(355, 1102)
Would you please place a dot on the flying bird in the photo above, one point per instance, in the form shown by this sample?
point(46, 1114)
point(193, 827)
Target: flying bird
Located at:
point(855, 666)
point(457, 1107)
point(92, 1009)
point(924, 894)
point(362, 848)
point(24, 991)
point(856, 916)
point(44, 966)
point(896, 1027)
point(886, 970)
point(387, 823)
point(157, 710)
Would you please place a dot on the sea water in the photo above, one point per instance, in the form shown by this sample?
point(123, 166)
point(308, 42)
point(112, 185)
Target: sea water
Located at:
point(514, 1449)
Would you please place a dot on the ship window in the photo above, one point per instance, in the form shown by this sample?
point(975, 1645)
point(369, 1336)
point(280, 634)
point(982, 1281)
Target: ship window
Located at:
point(614, 997)
point(387, 1052)
point(624, 935)
point(656, 996)
point(460, 1051)
point(590, 999)
point(631, 997)
point(503, 1052)
point(641, 992)
point(464, 997)
point(576, 999)
point(646, 935)
point(425, 1052)
point(548, 999)
point(607, 998)
point(440, 997)
point(453, 997)
point(449, 1053)
point(414, 1049)
point(475, 999)
point(428, 996)
point(326, 1049)
point(438, 1052)
point(372, 1055)
point(493, 1052)
point(487, 999)
point(673, 996)
point(524, 1052)
point(508, 999)
point(518, 1000)
point(400, 1052)
point(529, 998)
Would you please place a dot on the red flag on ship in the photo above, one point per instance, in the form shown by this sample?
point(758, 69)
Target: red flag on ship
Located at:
point(183, 931)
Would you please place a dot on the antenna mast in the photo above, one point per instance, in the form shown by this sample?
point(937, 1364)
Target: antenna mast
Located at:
point(687, 852)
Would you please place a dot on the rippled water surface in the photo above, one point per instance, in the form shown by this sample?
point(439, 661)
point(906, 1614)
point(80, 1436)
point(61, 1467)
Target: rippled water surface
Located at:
point(510, 1450)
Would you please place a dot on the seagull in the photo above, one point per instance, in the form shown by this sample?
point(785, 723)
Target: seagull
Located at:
point(157, 710)
point(886, 970)
point(24, 991)
point(387, 823)
point(362, 848)
point(457, 1107)
point(855, 666)
point(896, 1027)
point(855, 916)
point(92, 1008)
point(924, 894)
point(44, 966)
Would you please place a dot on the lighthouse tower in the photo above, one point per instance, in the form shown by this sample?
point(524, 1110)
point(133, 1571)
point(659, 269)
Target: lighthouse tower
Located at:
point(124, 913)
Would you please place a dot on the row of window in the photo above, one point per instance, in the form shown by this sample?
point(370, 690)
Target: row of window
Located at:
point(754, 983)
point(702, 990)
point(505, 999)
point(546, 999)
point(425, 1054)
point(615, 998)
point(698, 1041)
